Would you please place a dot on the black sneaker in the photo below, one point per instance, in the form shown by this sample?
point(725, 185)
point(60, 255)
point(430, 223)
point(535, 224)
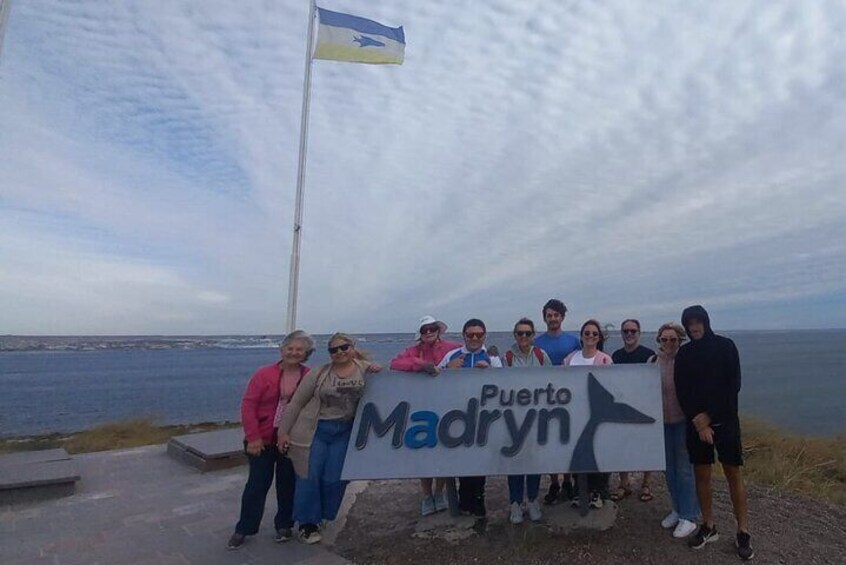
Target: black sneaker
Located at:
point(703, 536)
point(552, 495)
point(595, 500)
point(744, 546)
point(236, 541)
point(283, 535)
point(310, 534)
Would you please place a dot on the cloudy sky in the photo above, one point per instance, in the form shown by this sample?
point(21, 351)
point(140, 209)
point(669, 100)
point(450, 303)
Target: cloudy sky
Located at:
point(628, 157)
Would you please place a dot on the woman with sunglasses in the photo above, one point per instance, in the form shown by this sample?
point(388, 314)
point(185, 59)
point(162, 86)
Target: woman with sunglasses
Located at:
point(315, 430)
point(592, 341)
point(679, 472)
point(423, 357)
point(269, 390)
point(523, 353)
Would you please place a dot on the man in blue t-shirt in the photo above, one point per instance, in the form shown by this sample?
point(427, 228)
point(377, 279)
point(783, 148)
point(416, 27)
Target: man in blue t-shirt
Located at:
point(555, 342)
point(557, 345)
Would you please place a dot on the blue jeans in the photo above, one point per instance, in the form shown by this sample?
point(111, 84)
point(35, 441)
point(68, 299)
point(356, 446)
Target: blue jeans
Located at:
point(318, 496)
point(515, 487)
point(679, 473)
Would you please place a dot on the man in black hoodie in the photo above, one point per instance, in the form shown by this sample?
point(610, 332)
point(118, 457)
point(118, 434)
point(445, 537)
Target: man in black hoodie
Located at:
point(707, 378)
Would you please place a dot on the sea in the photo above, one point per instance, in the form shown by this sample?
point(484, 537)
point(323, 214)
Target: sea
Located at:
point(794, 379)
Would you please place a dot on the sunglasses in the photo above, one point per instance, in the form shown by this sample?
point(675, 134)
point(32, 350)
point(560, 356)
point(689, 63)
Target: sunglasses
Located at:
point(337, 348)
point(630, 332)
point(429, 330)
point(521, 333)
point(590, 334)
point(668, 339)
point(474, 335)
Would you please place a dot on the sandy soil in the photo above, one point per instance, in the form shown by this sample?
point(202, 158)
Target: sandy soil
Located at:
point(786, 529)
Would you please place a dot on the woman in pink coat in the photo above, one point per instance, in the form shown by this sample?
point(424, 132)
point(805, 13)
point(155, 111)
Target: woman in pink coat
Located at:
point(268, 392)
point(423, 357)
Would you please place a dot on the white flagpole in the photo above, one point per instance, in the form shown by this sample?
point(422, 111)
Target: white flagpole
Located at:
point(5, 7)
point(294, 279)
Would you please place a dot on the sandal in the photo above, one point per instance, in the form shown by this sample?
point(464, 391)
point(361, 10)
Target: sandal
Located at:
point(620, 494)
point(645, 493)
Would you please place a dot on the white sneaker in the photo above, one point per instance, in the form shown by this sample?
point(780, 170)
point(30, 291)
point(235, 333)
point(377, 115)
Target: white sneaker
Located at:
point(670, 521)
point(534, 511)
point(516, 513)
point(684, 529)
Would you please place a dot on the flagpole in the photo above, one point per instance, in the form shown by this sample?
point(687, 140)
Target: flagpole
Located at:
point(294, 278)
point(5, 7)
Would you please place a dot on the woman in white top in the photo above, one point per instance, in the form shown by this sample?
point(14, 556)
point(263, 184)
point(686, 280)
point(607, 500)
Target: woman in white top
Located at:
point(592, 340)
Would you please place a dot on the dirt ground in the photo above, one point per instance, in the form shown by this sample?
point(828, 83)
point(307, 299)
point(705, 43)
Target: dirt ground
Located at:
point(785, 529)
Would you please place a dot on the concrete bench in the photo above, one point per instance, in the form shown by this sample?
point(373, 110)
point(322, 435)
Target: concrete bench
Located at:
point(36, 475)
point(209, 451)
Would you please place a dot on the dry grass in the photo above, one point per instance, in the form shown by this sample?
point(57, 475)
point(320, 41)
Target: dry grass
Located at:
point(118, 435)
point(811, 466)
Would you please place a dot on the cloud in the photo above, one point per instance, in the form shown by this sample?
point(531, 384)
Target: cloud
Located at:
point(630, 158)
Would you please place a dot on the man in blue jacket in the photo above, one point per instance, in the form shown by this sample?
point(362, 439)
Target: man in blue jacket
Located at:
point(471, 490)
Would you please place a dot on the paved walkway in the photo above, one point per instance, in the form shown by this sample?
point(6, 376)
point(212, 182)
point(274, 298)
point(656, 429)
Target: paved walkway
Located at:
point(140, 506)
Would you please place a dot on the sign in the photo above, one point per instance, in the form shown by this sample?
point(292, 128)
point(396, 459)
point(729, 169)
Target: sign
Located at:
point(506, 421)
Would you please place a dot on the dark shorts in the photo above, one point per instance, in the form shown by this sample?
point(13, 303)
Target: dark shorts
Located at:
point(726, 442)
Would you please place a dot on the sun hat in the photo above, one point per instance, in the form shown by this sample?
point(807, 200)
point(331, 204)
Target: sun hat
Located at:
point(427, 321)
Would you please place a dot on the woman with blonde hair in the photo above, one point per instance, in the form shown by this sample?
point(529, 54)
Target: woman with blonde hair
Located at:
point(679, 472)
point(315, 429)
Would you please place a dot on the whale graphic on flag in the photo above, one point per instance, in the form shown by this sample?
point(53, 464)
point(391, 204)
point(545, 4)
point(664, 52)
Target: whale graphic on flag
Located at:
point(344, 37)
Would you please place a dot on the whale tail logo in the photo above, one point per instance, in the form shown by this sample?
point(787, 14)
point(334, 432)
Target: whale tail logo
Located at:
point(364, 41)
point(603, 409)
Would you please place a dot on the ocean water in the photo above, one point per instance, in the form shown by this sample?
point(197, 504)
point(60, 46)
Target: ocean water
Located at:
point(61, 384)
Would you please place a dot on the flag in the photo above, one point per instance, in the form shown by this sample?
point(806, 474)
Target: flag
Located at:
point(342, 37)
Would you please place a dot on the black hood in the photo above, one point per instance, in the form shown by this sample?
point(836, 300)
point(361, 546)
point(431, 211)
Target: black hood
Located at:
point(696, 312)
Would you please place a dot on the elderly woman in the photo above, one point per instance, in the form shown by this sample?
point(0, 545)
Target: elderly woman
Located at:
point(270, 388)
point(679, 473)
point(423, 357)
point(592, 341)
point(315, 430)
point(524, 354)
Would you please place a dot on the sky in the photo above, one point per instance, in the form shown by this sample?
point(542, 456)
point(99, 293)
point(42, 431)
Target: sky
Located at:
point(628, 157)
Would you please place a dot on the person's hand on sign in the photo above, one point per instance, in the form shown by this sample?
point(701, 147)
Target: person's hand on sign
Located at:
point(458, 362)
point(255, 447)
point(482, 364)
point(431, 369)
point(374, 368)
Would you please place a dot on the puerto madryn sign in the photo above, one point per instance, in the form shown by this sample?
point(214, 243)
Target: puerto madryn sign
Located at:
point(508, 421)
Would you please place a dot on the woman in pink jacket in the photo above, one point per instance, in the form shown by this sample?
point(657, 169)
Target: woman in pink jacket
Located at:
point(269, 390)
point(423, 357)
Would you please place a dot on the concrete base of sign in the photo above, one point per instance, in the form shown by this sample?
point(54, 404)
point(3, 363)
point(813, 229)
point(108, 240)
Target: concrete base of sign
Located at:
point(445, 527)
point(333, 528)
point(564, 518)
point(560, 518)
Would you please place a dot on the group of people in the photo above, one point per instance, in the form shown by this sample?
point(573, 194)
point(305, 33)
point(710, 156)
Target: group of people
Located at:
point(297, 422)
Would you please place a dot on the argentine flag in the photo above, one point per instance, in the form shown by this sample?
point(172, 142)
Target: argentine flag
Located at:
point(342, 37)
